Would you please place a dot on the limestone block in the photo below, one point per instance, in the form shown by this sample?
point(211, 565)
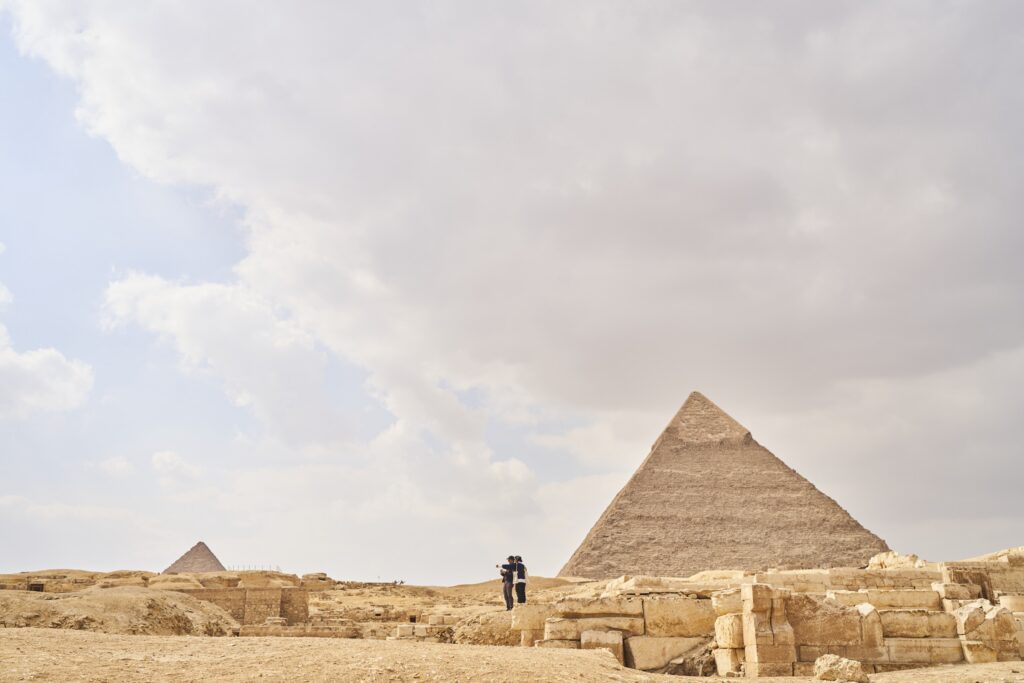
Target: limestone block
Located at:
point(728, 660)
point(757, 597)
point(565, 644)
point(420, 630)
point(557, 628)
point(956, 591)
point(609, 640)
point(530, 617)
point(404, 630)
point(666, 617)
point(770, 653)
point(647, 652)
point(904, 599)
point(1004, 626)
point(918, 623)
point(727, 602)
point(805, 669)
point(978, 652)
point(1014, 603)
point(767, 669)
point(871, 633)
point(729, 631)
point(924, 650)
point(969, 616)
point(435, 619)
point(847, 598)
point(757, 629)
point(528, 638)
point(817, 621)
point(835, 668)
point(613, 606)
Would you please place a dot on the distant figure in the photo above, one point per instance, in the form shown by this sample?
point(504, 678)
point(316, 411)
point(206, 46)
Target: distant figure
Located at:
point(520, 580)
point(508, 575)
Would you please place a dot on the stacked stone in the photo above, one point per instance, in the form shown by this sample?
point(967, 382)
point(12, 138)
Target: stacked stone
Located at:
point(645, 633)
point(429, 632)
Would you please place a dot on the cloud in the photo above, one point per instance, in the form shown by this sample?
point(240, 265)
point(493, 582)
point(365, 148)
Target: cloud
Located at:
point(116, 466)
point(576, 214)
point(39, 381)
point(171, 464)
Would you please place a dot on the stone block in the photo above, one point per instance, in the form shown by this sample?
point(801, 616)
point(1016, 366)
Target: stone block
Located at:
point(686, 617)
point(648, 653)
point(924, 650)
point(871, 634)
point(729, 631)
point(916, 623)
point(563, 644)
point(969, 617)
point(757, 629)
point(757, 597)
point(728, 660)
point(956, 591)
point(404, 630)
point(770, 653)
point(528, 638)
point(767, 669)
point(613, 606)
point(805, 669)
point(556, 628)
point(530, 617)
point(727, 602)
point(978, 652)
point(1014, 603)
point(608, 640)
point(835, 668)
point(904, 599)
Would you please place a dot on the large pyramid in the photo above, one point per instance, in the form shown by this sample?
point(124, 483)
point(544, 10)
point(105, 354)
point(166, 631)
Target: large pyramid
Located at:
point(199, 559)
point(710, 497)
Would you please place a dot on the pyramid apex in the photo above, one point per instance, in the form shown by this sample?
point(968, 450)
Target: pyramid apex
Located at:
point(700, 420)
point(199, 558)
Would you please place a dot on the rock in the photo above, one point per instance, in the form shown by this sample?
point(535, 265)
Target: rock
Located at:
point(609, 640)
point(727, 602)
point(648, 654)
point(893, 560)
point(835, 668)
point(674, 617)
point(729, 631)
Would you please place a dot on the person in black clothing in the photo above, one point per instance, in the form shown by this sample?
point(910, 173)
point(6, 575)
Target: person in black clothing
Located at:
point(508, 574)
point(520, 580)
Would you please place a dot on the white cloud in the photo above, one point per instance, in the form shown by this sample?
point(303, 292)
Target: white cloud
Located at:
point(171, 464)
point(39, 381)
point(578, 213)
point(116, 466)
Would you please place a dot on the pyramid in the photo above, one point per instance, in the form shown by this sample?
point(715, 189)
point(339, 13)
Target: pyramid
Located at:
point(710, 497)
point(199, 559)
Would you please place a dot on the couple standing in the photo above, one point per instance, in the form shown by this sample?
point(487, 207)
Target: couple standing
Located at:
point(513, 576)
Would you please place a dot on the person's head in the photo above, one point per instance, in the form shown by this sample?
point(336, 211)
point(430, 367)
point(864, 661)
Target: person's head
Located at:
point(511, 558)
point(518, 558)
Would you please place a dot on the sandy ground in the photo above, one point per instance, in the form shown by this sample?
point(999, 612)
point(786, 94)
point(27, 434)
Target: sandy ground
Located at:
point(29, 654)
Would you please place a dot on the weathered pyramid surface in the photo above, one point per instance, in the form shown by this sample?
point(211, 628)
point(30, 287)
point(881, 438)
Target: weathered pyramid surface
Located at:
point(199, 559)
point(710, 497)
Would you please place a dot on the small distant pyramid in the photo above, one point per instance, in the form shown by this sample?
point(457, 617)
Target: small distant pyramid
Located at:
point(710, 497)
point(199, 559)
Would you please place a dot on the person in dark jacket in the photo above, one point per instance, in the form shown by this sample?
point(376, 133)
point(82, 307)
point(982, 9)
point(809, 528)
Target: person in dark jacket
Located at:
point(520, 580)
point(508, 577)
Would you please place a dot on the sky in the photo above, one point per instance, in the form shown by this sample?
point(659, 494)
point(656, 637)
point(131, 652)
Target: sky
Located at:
point(391, 290)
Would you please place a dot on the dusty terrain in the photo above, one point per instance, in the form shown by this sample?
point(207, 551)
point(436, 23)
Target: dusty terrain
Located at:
point(29, 654)
point(125, 609)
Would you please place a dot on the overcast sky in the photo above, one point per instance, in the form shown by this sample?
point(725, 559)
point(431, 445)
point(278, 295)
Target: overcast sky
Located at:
point(393, 289)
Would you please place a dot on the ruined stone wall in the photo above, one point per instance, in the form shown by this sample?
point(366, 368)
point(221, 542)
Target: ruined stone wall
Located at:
point(779, 623)
point(253, 606)
point(231, 600)
point(295, 605)
point(261, 603)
